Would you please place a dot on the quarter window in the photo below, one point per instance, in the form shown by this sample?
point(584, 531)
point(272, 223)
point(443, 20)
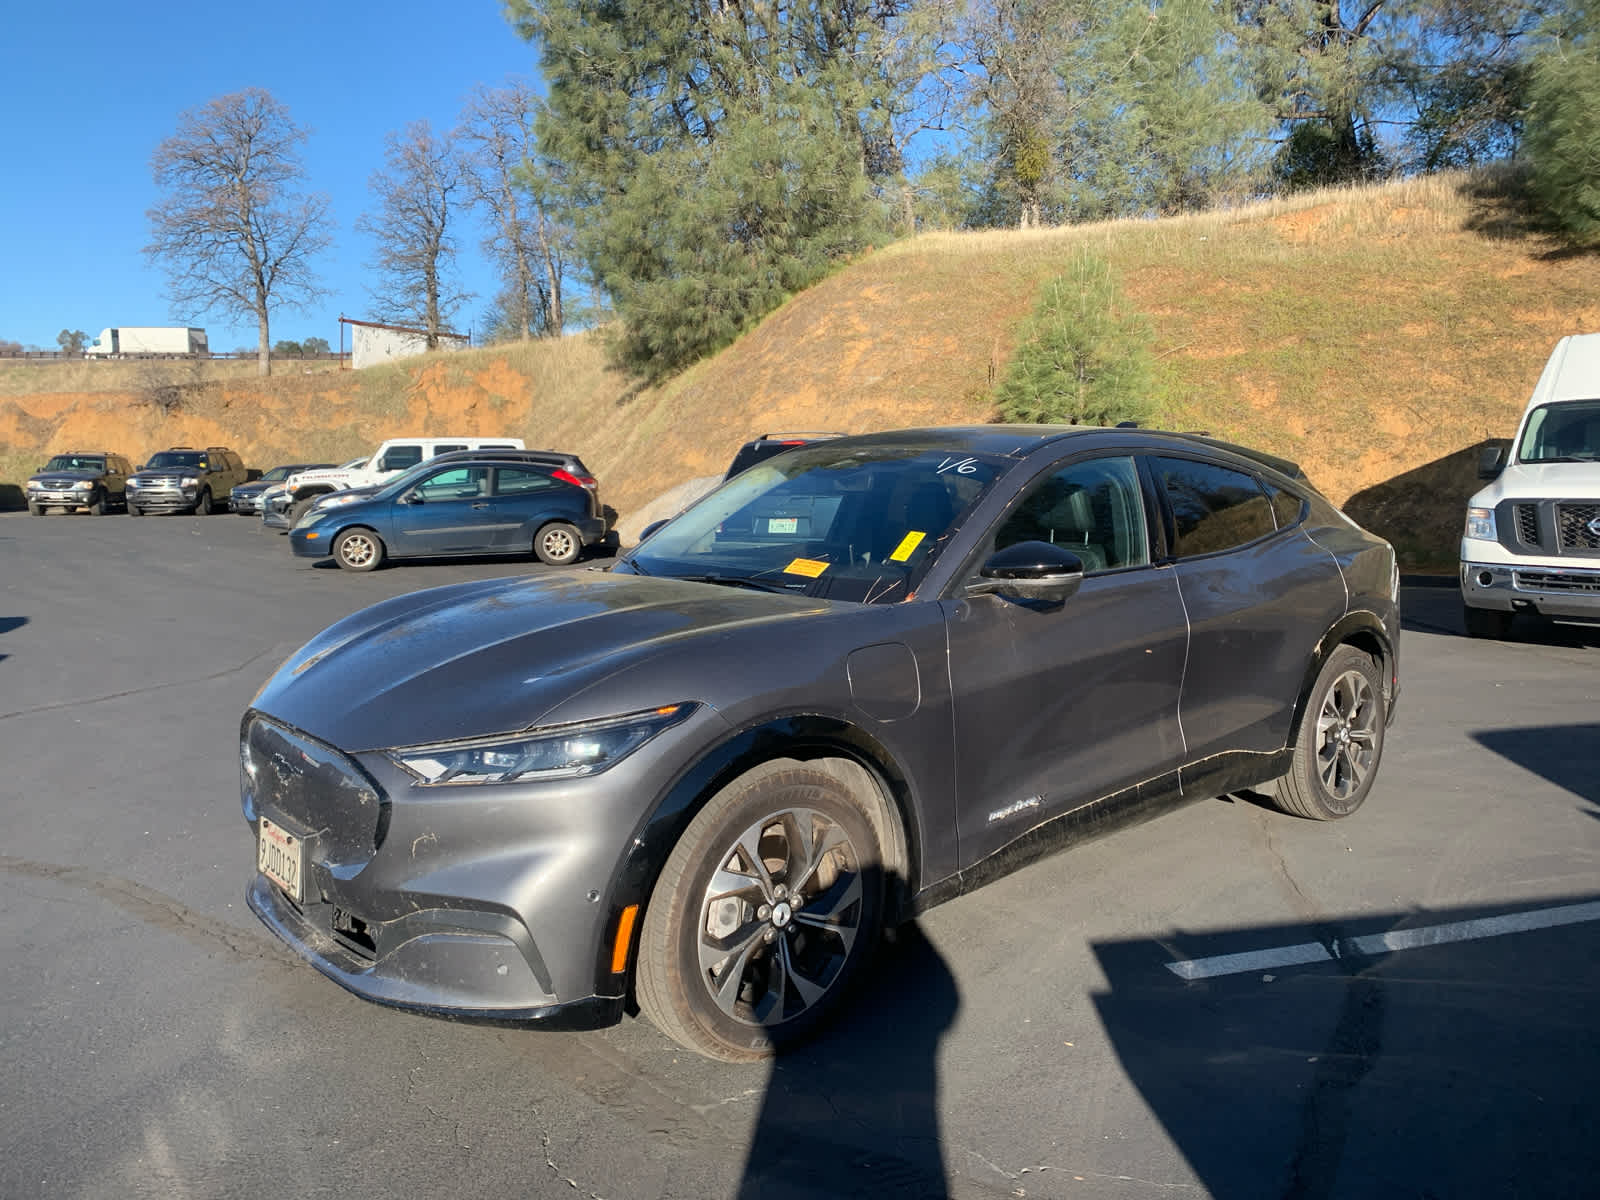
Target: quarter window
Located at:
point(1092, 508)
point(1214, 507)
point(517, 481)
point(1286, 506)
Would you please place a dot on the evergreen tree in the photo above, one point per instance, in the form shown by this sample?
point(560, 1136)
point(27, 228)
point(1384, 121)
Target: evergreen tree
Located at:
point(1083, 358)
point(1563, 131)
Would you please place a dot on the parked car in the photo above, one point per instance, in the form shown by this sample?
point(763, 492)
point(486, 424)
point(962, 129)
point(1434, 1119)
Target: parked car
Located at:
point(1532, 537)
point(88, 479)
point(857, 680)
point(276, 501)
point(245, 499)
point(184, 479)
point(391, 458)
point(768, 444)
point(464, 506)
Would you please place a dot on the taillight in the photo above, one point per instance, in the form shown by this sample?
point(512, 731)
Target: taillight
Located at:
point(583, 481)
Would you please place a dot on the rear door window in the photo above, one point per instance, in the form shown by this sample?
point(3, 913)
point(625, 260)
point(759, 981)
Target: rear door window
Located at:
point(1213, 507)
point(519, 481)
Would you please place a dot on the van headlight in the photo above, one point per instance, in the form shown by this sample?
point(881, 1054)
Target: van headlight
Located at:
point(555, 752)
point(1480, 525)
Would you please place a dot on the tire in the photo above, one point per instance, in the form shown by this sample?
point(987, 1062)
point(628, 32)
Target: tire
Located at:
point(1486, 622)
point(97, 504)
point(795, 963)
point(134, 510)
point(1337, 753)
point(202, 506)
point(36, 509)
point(358, 550)
point(298, 510)
point(558, 544)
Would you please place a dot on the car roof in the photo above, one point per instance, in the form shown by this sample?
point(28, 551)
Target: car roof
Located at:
point(556, 458)
point(1018, 441)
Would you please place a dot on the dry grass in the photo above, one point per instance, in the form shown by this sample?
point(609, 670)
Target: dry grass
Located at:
point(1373, 334)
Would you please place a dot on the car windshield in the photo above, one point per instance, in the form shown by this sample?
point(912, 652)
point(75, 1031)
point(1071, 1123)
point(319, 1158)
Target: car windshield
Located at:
point(75, 462)
point(1565, 432)
point(277, 473)
point(860, 523)
point(175, 458)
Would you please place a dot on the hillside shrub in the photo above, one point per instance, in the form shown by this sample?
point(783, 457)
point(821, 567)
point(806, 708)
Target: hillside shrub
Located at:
point(1084, 357)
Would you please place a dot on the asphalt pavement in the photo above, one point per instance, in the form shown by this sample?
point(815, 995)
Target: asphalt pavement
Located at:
point(1226, 1002)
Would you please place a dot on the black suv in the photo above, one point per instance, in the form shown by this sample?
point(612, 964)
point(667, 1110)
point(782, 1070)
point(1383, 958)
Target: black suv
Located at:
point(91, 479)
point(184, 479)
point(768, 444)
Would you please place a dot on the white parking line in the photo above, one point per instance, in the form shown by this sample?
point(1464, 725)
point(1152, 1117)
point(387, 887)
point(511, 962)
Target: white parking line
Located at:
point(1385, 943)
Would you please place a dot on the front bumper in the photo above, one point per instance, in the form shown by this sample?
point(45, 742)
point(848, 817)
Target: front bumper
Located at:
point(60, 498)
point(164, 499)
point(1562, 592)
point(244, 503)
point(307, 542)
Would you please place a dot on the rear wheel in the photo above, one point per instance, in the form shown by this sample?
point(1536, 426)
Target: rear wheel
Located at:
point(1485, 622)
point(1341, 740)
point(558, 544)
point(202, 506)
point(764, 914)
point(358, 550)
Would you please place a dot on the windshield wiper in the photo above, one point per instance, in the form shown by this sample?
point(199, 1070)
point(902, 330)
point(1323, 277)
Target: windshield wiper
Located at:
point(759, 585)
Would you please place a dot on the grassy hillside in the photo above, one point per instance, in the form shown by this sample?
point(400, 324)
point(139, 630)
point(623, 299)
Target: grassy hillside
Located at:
point(1376, 336)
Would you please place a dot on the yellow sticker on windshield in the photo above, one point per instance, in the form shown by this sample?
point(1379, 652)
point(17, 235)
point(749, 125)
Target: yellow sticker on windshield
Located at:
point(809, 567)
point(907, 545)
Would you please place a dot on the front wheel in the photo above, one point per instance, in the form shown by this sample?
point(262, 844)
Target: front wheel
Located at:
point(36, 509)
point(764, 914)
point(358, 550)
point(97, 504)
point(558, 544)
point(202, 506)
point(1341, 740)
point(134, 510)
point(299, 509)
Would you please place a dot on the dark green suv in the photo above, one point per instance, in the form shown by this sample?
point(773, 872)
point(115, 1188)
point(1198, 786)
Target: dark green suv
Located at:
point(91, 479)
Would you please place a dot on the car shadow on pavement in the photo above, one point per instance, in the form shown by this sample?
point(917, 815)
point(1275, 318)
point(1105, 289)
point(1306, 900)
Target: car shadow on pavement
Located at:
point(855, 1112)
point(1435, 607)
point(7, 624)
point(1298, 1061)
point(1567, 755)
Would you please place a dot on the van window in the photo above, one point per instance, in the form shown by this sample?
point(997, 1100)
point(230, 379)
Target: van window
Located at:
point(447, 448)
point(399, 458)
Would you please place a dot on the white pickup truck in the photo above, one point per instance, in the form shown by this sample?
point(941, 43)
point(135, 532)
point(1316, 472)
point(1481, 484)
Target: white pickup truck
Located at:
point(389, 459)
point(1532, 537)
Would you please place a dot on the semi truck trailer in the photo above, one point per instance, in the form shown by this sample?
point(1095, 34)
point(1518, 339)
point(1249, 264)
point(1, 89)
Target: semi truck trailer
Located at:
point(150, 341)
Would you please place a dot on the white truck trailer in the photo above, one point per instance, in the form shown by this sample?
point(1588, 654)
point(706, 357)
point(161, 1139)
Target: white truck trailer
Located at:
point(150, 341)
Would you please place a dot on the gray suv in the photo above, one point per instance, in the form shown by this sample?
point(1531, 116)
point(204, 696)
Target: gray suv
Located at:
point(184, 479)
point(89, 479)
point(859, 679)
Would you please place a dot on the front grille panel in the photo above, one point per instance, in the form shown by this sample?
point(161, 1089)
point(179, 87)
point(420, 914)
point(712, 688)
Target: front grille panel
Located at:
point(1527, 519)
point(339, 808)
point(1573, 532)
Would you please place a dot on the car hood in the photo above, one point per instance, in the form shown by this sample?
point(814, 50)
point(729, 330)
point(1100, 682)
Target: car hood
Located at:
point(256, 485)
point(1534, 481)
point(78, 474)
point(495, 656)
point(164, 472)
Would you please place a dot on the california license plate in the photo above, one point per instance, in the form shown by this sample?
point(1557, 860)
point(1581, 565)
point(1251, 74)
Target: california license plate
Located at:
point(281, 857)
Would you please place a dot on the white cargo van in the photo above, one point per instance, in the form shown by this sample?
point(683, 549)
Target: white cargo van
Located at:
point(389, 459)
point(1532, 539)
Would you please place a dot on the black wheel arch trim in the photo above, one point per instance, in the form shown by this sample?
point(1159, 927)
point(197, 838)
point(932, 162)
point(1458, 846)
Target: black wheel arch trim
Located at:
point(1364, 630)
point(801, 736)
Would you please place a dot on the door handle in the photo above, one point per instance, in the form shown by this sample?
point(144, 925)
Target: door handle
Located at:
point(480, 504)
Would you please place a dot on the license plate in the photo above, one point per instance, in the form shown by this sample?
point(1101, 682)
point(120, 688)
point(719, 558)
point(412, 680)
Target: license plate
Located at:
point(281, 857)
point(783, 525)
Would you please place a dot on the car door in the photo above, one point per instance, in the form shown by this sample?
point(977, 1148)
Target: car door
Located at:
point(524, 498)
point(445, 512)
point(1056, 706)
point(1259, 595)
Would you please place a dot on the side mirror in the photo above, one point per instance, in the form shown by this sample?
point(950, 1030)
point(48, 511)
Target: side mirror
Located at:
point(645, 533)
point(412, 498)
point(1030, 571)
point(1492, 459)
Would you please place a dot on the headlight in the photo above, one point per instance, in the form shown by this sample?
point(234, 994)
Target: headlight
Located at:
point(83, 485)
point(190, 481)
point(1480, 524)
point(334, 501)
point(559, 752)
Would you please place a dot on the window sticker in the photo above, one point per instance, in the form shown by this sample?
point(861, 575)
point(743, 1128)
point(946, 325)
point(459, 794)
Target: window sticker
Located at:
point(907, 546)
point(809, 567)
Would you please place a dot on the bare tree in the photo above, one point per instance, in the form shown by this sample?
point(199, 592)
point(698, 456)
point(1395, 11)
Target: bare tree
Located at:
point(413, 227)
point(234, 234)
point(532, 248)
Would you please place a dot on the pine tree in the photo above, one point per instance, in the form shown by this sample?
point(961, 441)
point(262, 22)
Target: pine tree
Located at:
point(1563, 134)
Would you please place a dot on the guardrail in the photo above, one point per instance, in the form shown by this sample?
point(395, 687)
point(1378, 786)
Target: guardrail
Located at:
point(59, 355)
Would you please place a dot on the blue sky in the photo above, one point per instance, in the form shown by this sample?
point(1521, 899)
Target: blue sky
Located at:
point(91, 88)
